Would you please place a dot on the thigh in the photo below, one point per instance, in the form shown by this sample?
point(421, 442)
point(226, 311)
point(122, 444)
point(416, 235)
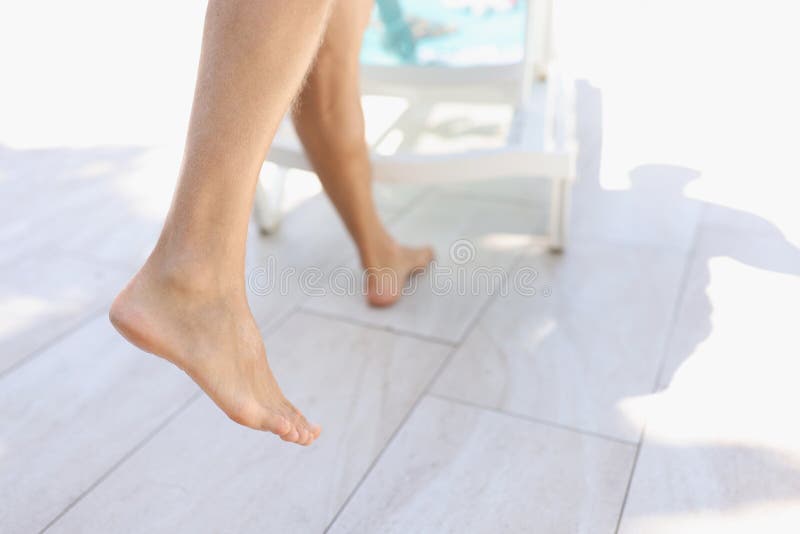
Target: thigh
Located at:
point(330, 96)
point(341, 43)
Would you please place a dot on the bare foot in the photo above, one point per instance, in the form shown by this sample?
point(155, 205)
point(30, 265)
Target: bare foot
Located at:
point(388, 273)
point(212, 336)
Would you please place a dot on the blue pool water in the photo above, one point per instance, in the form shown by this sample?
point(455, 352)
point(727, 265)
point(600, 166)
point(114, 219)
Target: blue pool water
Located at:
point(478, 39)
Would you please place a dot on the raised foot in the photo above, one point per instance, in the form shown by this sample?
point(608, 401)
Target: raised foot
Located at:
point(213, 337)
point(386, 276)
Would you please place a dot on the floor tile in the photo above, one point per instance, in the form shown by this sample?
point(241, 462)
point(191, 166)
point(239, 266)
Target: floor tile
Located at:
point(475, 241)
point(590, 337)
point(721, 451)
point(71, 413)
point(204, 473)
point(44, 296)
point(46, 196)
point(454, 468)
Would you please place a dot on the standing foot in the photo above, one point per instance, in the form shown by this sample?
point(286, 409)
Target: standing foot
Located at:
point(388, 272)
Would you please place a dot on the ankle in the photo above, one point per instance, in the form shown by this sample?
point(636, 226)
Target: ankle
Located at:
point(192, 274)
point(378, 251)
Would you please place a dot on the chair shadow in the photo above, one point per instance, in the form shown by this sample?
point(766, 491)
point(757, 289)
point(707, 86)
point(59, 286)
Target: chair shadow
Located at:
point(667, 183)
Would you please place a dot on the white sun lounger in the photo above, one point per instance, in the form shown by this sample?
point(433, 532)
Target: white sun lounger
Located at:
point(403, 104)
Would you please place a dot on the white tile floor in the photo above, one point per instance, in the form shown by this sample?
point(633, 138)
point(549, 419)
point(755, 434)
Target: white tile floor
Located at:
point(650, 385)
point(475, 413)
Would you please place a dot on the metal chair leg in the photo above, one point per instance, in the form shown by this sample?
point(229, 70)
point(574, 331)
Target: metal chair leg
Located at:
point(559, 215)
point(269, 194)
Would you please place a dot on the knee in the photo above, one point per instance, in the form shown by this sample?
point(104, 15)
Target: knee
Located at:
point(330, 101)
point(333, 125)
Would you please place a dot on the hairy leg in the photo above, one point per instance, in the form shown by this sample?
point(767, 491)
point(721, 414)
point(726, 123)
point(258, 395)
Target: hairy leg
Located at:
point(187, 304)
point(330, 123)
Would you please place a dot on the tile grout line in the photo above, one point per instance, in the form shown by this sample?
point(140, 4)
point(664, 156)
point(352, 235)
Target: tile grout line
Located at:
point(366, 324)
point(396, 431)
point(531, 419)
point(275, 325)
point(35, 353)
point(690, 257)
point(485, 306)
point(454, 348)
point(153, 433)
point(687, 267)
point(630, 481)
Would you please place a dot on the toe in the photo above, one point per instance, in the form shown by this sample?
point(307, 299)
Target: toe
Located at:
point(304, 435)
point(313, 434)
point(291, 436)
point(311, 438)
point(309, 428)
point(306, 429)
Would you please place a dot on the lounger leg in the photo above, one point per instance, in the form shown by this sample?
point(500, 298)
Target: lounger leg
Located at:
point(269, 194)
point(559, 215)
point(541, 27)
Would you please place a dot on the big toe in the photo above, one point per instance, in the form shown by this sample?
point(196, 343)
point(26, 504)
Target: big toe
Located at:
point(303, 432)
point(307, 430)
point(316, 430)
